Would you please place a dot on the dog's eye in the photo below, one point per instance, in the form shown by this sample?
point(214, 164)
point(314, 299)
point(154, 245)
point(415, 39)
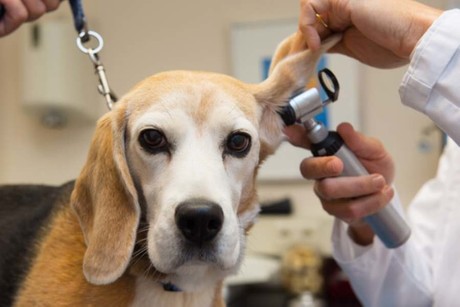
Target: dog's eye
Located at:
point(238, 144)
point(153, 140)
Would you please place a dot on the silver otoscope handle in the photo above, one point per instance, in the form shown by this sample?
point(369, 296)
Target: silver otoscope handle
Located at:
point(387, 224)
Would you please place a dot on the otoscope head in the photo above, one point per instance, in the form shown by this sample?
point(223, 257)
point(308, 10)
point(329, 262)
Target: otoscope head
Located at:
point(308, 104)
point(288, 115)
point(329, 83)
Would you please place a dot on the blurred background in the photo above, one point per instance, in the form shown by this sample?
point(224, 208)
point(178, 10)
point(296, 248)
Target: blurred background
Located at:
point(146, 37)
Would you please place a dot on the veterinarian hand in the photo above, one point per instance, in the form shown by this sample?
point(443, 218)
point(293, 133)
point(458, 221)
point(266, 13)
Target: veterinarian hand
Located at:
point(350, 198)
point(17, 12)
point(380, 33)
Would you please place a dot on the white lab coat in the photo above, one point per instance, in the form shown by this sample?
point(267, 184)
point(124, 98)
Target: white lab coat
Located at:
point(425, 271)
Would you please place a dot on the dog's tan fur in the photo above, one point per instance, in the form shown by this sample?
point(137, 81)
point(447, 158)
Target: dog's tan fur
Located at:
point(85, 256)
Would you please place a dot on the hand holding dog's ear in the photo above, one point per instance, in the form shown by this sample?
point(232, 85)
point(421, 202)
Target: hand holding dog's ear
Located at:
point(379, 33)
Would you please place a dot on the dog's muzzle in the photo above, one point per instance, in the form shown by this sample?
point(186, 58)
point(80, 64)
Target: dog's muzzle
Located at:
point(199, 221)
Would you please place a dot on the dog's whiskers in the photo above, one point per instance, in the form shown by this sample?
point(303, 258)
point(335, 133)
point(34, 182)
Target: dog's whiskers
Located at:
point(141, 241)
point(142, 229)
point(139, 254)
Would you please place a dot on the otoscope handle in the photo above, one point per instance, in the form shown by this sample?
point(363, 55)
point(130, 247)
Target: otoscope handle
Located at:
point(387, 224)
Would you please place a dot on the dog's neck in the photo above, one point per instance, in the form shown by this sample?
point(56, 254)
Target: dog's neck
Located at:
point(142, 266)
point(148, 292)
point(152, 285)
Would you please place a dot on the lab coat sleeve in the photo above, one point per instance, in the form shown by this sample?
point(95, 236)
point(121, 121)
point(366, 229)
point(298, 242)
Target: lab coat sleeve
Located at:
point(430, 84)
point(384, 277)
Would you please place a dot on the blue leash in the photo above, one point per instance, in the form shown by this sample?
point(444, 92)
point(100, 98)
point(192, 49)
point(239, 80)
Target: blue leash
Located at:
point(79, 18)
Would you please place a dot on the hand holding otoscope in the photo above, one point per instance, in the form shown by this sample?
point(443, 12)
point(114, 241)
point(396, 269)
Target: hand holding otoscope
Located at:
point(387, 224)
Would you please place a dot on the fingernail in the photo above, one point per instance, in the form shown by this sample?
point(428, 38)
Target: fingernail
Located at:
point(378, 181)
point(388, 190)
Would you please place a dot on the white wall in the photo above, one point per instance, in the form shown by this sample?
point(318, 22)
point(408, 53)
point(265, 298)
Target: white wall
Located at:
point(146, 37)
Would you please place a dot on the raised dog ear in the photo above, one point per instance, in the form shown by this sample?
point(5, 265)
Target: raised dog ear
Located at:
point(106, 202)
point(291, 68)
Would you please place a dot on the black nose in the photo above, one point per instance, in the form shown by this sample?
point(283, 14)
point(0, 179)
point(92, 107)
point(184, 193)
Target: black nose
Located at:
point(199, 221)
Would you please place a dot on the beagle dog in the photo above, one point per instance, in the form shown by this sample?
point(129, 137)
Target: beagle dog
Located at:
point(159, 214)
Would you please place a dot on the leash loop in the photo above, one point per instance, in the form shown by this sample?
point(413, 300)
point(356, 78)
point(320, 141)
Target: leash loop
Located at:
point(84, 36)
point(81, 41)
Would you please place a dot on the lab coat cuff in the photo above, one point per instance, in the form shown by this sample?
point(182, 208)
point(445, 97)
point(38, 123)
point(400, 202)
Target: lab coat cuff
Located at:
point(345, 251)
point(423, 71)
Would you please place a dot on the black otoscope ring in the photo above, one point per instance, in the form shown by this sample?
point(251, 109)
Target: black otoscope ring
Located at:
point(330, 85)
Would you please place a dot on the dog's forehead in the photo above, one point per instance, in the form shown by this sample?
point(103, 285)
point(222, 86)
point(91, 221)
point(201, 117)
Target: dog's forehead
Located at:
point(198, 93)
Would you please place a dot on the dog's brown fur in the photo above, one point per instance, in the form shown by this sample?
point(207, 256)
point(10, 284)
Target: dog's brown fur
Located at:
point(83, 258)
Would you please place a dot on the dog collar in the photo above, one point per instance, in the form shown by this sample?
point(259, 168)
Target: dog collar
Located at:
point(167, 286)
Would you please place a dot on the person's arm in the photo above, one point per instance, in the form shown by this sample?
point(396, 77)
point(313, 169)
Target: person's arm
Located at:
point(431, 83)
point(379, 276)
point(390, 33)
point(385, 277)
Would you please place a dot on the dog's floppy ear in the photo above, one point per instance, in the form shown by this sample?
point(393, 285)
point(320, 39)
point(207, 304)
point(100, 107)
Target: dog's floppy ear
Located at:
point(105, 201)
point(291, 68)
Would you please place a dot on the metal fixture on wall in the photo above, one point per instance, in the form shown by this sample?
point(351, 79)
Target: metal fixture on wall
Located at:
point(57, 80)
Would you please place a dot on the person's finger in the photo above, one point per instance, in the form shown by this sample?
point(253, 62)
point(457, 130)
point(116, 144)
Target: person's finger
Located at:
point(15, 15)
point(321, 167)
point(51, 5)
point(310, 25)
point(35, 9)
point(354, 210)
point(349, 187)
point(363, 146)
point(297, 136)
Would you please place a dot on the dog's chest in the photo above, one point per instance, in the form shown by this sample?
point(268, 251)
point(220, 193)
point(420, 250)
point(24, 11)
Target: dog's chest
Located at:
point(150, 293)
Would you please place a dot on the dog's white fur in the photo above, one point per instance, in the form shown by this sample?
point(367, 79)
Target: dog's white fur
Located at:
point(196, 170)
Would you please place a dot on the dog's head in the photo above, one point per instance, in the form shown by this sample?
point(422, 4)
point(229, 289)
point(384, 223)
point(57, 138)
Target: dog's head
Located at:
point(179, 155)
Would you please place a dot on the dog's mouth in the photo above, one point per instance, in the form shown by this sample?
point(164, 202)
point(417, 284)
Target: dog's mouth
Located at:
point(193, 269)
point(200, 255)
point(190, 255)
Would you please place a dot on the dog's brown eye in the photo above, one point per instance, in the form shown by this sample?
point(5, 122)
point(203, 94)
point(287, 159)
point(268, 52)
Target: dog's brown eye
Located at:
point(153, 140)
point(238, 144)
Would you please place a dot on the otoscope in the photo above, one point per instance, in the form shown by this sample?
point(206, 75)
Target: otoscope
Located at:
point(387, 224)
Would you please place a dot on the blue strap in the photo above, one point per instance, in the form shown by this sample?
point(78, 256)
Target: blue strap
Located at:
point(78, 15)
point(170, 287)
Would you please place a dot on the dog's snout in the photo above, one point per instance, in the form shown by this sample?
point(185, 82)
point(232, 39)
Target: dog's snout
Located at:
point(199, 221)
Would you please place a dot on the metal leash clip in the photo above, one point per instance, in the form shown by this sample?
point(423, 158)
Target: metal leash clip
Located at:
point(84, 37)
